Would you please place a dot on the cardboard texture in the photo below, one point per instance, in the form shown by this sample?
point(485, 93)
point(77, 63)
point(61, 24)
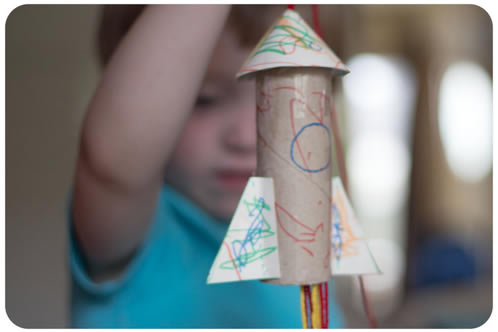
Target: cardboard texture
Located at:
point(294, 148)
point(290, 42)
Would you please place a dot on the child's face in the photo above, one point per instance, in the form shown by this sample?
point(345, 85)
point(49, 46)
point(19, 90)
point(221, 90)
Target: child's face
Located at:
point(216, 154)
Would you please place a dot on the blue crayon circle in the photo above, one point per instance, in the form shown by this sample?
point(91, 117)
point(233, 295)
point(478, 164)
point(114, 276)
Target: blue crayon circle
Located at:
point(316, 170)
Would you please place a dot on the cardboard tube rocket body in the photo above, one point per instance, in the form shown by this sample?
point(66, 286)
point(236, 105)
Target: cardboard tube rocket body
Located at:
point(289, 243)
point(294, 148)
point(293, 68)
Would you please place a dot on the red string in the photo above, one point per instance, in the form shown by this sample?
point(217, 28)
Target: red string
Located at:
point(316, 21)
point(371, 319)
point(326, 290)
point(325, 305)
point(338, 146)
point(309, 305)
point(342, 169)
point(292, 7)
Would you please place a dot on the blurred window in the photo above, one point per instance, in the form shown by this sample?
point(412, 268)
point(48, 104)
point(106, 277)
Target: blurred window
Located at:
point(464, 118)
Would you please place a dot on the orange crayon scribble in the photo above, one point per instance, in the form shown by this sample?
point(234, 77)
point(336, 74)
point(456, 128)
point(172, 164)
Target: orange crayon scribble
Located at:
point(348, 238)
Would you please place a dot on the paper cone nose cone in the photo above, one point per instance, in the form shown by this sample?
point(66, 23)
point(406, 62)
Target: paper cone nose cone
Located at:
point(291, 42)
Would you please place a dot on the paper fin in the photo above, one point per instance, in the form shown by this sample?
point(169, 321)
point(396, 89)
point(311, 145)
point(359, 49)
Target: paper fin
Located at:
point(250, 250)
point(350, 254)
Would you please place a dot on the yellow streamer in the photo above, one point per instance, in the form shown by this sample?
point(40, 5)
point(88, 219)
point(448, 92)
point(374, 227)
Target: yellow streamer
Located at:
point(316, 314)
point(304, 315)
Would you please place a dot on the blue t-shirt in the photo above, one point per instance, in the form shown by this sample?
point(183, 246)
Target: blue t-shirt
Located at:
point(165, 284)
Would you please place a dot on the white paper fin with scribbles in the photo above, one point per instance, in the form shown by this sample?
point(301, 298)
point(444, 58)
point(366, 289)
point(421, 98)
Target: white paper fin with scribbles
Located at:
point(349, 249)
point(250, 250)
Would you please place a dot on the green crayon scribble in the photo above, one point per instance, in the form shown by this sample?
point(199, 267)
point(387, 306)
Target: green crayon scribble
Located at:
point(247, 250)
point(289, 36)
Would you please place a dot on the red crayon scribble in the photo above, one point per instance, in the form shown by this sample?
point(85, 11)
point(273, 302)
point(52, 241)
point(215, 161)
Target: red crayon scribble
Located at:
point(262, 139)
point(292, 88)
point(308, 251)
point(323, 98)
point(233, 260)
point(266, 102)
point(258, 66)
point(308, 237)
point(338, 145)
point(318, 118)
point(326, 262)
point(312, 233)
point(294, 133)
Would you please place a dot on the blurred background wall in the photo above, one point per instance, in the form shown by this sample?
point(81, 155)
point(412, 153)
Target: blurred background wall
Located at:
point(51, 71)
point(416, 122)
point(416, 114)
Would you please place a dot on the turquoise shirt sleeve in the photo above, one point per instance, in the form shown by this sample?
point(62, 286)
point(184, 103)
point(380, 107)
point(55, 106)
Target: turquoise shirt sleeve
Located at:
point(80, 274)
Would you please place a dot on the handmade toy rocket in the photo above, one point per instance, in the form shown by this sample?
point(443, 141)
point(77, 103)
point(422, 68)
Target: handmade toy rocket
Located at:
point(293, 225)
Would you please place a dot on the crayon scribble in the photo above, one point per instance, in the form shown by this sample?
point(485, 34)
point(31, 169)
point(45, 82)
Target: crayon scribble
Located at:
point(298, 97)
point(288, 38)
point(337, 231)
point(294, 142)
point(302, 232)
point(341, 230)
point(314, 125)
point(249, 249)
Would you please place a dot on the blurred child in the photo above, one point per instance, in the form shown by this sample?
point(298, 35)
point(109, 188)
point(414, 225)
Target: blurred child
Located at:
point(166, 149)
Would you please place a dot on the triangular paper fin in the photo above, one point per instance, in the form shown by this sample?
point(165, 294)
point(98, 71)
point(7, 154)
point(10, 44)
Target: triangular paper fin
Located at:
point(250, 250)
point(350, 254)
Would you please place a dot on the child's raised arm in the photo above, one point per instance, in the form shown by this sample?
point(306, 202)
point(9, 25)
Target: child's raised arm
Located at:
point(136, 115)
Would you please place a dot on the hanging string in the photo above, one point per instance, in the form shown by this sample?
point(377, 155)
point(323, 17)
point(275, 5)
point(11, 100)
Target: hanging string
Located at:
point(309, 305)
point(325, 304)
point(318, 297)
point(370, 316)
point(342, 170)
point(316, 21)
point(314, 306)
point(316, 312)
point(338, 147)
point(304, 309)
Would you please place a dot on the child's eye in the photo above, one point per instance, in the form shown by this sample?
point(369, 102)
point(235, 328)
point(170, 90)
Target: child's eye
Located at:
point(206, 101)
